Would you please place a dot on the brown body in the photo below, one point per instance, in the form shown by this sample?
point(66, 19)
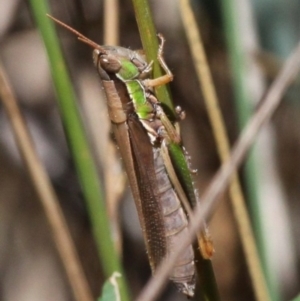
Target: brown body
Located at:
point(175, 221)
point(161, 215)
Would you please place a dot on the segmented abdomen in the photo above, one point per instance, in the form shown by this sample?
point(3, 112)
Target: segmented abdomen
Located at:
point(175, 221)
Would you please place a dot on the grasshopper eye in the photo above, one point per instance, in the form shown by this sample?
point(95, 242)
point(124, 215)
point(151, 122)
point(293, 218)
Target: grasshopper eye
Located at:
point(109, 63)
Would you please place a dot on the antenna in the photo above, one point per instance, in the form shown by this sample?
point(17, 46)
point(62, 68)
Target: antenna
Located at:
point(80, 36)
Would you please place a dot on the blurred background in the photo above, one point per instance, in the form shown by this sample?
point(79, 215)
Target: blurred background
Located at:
point(30, 268)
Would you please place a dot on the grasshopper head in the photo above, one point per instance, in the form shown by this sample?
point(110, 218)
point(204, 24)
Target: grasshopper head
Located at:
point(116, 60)
point(124, 63)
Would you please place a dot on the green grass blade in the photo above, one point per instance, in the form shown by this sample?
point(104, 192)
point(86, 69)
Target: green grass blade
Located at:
point(79, 147)
point(149, 39)
point(183, 172)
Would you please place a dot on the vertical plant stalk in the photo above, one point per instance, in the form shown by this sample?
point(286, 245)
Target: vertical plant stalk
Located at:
point(83, 160)
point(218, 126)
point(111, 22)
point(45, 191)
point(212, 194)
point(148, 35)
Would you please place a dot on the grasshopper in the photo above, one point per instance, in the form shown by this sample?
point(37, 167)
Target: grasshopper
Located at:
point(147, 141)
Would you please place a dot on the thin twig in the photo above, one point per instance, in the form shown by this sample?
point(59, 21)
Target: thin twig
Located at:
point(111, 22)
point(61, 234)
point(217, 122)
point(115, 184)
point(222, 178)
